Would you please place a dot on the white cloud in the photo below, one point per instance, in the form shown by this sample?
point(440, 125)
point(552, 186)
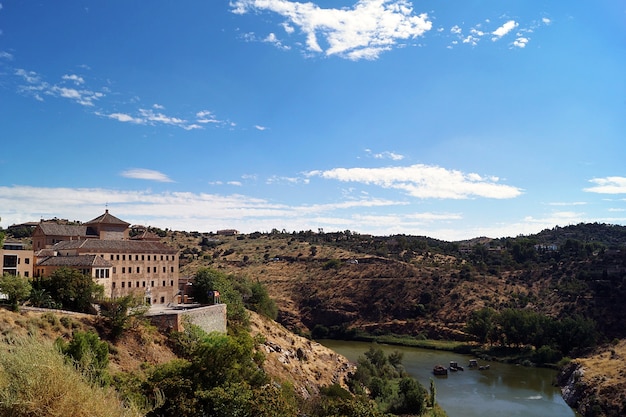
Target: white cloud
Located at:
point(271, 38)
point(361, 32)
point(76, 79)
point(520, 42)
point(504, 29)
point(123, 117)
point(608, 185)
point(261, 128)
point(424, 181)
point(546, 21)
point(146, 174)
point(385, 155)
point(6, 55)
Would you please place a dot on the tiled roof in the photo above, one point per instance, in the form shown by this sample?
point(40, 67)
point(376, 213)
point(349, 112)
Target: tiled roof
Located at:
point(121, 246)
point(55, 229)
point(107, 218)
point(79, 260)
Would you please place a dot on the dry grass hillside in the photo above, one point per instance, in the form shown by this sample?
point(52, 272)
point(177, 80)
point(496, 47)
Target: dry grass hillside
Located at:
point(325, 285)
point(289, 358)
point(596, 384)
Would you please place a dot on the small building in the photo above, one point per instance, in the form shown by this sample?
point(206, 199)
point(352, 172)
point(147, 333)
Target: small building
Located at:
point(16, 259)
point(228, 232)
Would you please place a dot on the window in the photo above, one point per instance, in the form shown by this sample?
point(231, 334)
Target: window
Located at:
point(123, 257)
point(164, 283)
point(26, 274)
point(163, 269)
point(27, 261)
point(172, 269)
point(123, 284)
point(172, 283)
point(137, 284)
point(113, 285)
point(142, 257)
point(143, 283)
point(148, 257)
point(114, 270)
point(161, 257)
point(123, 270)
point(111, 256)
point(162, 300)
point(138, 269)
point(136, 257)
point(152, 283)
point(130, 284)
point(118, 257)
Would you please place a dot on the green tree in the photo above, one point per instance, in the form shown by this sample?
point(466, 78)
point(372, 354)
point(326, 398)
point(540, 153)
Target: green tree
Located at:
point(89, 353)
point(481, 324)
point(16, 288)
point(119, 314)
point(207, 280)
point(72, 289)
point(261, 302)
point(411, 398)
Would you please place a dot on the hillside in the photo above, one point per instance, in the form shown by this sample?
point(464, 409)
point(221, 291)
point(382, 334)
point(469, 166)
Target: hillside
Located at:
point(421, 286)
point(289, 358)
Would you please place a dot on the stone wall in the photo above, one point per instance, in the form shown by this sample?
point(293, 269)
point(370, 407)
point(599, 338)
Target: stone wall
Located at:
point(208, 318)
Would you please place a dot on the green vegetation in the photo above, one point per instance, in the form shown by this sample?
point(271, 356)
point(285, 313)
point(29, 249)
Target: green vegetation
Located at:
point(69, 289)
point(36, 380)
point(383, 379)
point(16, 288)
point(552, 339)
point(237, 292)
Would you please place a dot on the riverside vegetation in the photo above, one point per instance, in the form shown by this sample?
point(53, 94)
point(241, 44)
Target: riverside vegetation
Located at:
point(527, 299)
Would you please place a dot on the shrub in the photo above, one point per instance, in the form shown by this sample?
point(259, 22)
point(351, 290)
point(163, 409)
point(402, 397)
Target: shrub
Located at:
point(26, 390)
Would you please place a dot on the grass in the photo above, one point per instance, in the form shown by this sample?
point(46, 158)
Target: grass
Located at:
point(35, 380)
point(446, 345)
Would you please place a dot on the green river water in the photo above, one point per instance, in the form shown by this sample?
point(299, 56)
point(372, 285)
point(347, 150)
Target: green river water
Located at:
point(502, 391)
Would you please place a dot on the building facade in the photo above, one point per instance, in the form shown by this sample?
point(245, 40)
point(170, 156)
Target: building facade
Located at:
point(16, 260)
point(101, 248)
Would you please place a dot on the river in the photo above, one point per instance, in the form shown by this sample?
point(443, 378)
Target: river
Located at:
point(502, 390)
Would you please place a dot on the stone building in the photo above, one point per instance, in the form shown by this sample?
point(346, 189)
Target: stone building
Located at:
point(102, 249)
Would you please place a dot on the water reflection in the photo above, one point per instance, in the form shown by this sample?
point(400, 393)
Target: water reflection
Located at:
point(502, 390)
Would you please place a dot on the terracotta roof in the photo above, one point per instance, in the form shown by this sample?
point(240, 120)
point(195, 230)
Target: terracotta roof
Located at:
point(126, 246)
point(79, 260)
point(107, 218)
point(55, 229)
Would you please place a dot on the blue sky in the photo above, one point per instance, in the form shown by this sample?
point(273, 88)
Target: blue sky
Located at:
point(451, 119)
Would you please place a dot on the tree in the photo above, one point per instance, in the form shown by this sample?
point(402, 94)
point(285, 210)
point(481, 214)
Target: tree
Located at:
point(120, 313)
point(16, 288)
point(481, 324)
point(72, 289)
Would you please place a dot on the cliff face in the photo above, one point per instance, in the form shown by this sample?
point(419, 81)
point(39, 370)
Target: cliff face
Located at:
point(596, 385)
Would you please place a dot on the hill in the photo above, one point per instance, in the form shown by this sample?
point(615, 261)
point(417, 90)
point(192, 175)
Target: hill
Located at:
point(421, 286)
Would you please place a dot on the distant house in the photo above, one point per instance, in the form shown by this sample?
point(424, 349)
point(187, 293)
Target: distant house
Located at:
point(228, 232)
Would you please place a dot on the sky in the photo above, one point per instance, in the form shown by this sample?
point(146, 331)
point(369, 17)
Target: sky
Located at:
point(447, 119)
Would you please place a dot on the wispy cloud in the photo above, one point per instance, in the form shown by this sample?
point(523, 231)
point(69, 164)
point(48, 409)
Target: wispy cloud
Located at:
point(76, 79)
point(385, 155)
point(364, 31)
point(608, 185)
point(73, 87)
point(480, 31)
point(146, 174)
point(425, 181)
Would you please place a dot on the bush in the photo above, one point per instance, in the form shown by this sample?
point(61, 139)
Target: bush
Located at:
point(26, 390)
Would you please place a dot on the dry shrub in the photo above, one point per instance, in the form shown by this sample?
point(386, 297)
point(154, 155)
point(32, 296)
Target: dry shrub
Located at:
point(35, 381)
